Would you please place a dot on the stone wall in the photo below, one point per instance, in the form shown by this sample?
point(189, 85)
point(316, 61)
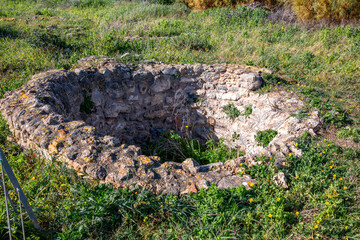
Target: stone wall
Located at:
point(96, 116)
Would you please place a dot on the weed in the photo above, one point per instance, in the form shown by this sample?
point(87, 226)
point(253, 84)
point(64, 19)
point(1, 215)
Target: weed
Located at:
point(235, 136)
point(248, 111)
point(301, 114)
point(231, 111)
point(264, 137)
point(173, 147)
point(87, 105)
point(353, 133)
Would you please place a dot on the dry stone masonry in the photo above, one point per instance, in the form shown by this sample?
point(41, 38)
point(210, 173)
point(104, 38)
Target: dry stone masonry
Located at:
point(96, 116)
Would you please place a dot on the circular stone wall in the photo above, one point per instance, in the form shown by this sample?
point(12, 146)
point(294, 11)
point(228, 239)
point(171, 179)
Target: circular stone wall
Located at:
point(96, 116)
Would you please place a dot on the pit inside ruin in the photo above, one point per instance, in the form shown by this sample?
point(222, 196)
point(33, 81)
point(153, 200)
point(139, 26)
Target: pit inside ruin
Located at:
point(97, 116)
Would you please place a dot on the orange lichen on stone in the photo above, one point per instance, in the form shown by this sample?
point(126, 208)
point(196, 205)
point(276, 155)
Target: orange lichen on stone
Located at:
point(53, 147)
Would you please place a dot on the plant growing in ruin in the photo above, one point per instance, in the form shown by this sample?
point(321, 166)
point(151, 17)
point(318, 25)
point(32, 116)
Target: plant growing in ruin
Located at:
point(231, 111)
point(87, 105)
point(264, 137)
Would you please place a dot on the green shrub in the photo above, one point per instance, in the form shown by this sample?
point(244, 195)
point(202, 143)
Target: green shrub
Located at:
point(264, 137)
point(231, 111)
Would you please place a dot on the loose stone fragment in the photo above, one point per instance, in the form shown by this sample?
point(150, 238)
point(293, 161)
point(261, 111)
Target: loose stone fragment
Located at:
point(191, 165)
point(233, 182)
point(280, 180)
point(250, 81)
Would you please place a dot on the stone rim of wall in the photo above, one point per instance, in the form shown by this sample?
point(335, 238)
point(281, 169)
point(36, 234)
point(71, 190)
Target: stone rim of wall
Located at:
point(119, 164)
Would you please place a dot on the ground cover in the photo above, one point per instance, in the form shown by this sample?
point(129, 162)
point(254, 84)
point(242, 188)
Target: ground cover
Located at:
point(320, 64)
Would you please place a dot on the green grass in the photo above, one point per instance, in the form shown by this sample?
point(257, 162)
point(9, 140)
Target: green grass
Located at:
point(320, 65)
point(173, 147)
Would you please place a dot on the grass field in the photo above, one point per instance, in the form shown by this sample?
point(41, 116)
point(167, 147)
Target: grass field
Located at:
point(321, 64)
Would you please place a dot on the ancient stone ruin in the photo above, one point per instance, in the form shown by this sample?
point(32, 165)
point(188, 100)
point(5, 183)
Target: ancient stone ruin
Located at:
point(96, 116)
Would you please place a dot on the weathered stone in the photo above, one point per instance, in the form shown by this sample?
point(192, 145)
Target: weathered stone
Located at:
point(231, 182)
point(124, 174)
point(161, 84)
point(131, 105)
point(113, 109)
point(250, 81)
point(280, 180)
point(191, 165)
point(171, 71)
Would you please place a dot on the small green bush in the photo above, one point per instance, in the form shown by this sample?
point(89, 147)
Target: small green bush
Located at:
point(264, 137)
point(231, 111)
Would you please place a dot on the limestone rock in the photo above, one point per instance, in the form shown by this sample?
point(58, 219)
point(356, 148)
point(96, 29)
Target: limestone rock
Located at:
point(280, 180)
point(191, 165)
point(250, 81)
point(232, 182)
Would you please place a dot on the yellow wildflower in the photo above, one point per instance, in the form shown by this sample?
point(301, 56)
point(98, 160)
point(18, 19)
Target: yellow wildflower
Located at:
point(270, 216)
point(251, 200)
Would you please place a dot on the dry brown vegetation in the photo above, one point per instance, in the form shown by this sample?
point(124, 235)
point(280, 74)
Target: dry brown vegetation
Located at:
point(334, 10)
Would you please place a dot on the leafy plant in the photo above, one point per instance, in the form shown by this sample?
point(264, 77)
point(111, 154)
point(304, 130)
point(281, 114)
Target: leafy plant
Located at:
point(264, 137)
point(353, 133)
point(231, 111)
point(248, 111)
point(87, 105)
